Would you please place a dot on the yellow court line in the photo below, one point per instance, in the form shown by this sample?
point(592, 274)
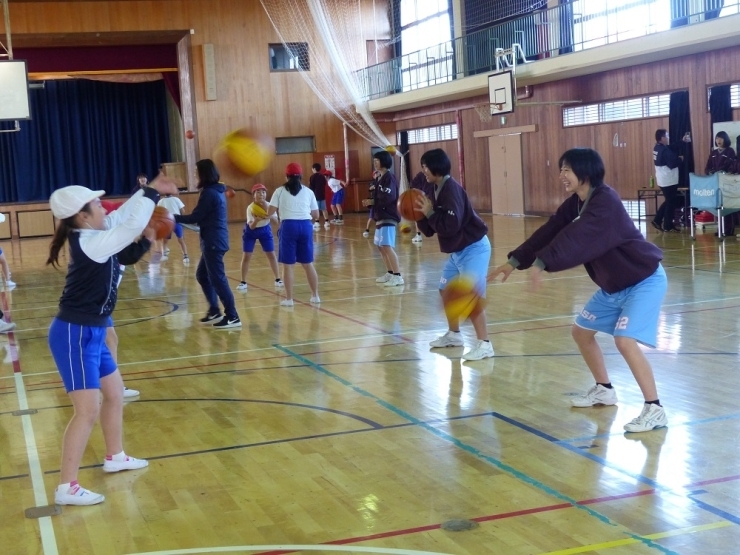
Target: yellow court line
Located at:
point(629, 541)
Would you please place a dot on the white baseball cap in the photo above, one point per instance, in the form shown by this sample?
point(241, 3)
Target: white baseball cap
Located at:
point(68, 201)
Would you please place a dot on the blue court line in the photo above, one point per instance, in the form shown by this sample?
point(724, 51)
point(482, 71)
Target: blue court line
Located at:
point(712, 509)
point(638, 477)
point(476, 452)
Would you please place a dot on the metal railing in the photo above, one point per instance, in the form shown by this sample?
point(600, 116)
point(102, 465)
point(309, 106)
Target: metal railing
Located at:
point(571, 27)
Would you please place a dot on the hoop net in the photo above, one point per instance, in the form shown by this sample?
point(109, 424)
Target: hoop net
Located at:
point(484, 110)
point(335, 52)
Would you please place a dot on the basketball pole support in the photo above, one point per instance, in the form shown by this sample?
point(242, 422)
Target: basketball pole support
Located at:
point(9, 48)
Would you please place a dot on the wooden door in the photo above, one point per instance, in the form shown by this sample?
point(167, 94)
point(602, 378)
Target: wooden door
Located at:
point(505, 163)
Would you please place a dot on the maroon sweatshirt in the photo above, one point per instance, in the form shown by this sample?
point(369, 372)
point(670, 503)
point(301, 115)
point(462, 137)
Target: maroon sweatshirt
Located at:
point(603, 238)
point(453, 219)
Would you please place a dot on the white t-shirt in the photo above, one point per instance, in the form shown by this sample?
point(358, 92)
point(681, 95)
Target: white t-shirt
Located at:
point(173, 205)
point(297, 207)
point(261, 223)
point(334, 184)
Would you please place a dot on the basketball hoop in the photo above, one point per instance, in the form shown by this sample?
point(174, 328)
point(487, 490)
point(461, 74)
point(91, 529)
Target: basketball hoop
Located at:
point(484, 110)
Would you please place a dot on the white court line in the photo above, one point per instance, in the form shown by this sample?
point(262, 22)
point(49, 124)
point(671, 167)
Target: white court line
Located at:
point(46, 528)
point(249, 548)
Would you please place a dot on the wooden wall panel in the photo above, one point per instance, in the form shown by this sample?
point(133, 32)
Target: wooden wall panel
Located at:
point(284, 105)
point(36, 223)
point(249, 95)
point(628, 166)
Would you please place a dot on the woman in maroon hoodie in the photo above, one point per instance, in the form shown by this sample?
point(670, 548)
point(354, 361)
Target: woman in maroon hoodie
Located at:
point(592, 228)
point(722, 158)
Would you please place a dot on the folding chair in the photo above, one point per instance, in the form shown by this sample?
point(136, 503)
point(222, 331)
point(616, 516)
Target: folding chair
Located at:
point(704, 195)
point(729, 188)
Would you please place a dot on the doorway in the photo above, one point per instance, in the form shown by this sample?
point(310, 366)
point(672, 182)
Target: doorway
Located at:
point(505, 164)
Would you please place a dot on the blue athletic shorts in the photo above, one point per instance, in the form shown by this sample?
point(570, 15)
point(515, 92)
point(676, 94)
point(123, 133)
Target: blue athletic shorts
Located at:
point(338, 197)
point(262, 234)
point(632, 312)
point(80, 354)
point(177, 230)
point(385, 236)
point(472, 261)
point(296, 242)
point(322, 204)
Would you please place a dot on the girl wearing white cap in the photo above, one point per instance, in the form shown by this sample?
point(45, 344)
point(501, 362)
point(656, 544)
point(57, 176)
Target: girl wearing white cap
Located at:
point(98, 243)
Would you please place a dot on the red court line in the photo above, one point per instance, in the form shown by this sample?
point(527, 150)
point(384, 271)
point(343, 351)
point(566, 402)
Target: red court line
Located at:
point(488, 518)
point(499, 516)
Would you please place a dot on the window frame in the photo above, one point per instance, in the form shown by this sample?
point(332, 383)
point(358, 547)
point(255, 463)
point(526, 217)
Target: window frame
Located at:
point(287, 47)
point(604, 106)
point(282, 140)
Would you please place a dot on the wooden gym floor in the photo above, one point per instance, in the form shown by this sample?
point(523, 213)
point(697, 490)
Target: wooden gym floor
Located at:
point(336, 427)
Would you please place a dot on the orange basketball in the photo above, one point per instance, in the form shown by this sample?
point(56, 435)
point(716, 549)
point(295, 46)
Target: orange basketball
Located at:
point(230, 193)
point(407, 205)
point(460, 298)
point(162, 222)
point(189, 134)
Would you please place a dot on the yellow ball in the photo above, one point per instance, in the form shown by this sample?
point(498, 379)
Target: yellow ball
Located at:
point(250, 154)
point(461, 299)
point(258, 211)
point(391, 149)
point(405, 227)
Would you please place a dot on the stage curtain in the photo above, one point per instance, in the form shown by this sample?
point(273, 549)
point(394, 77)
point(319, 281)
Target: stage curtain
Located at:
point(679, 123)
point(82, 132)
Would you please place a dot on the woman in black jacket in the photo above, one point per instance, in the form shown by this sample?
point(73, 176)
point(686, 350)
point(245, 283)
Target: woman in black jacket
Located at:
point(210, 215)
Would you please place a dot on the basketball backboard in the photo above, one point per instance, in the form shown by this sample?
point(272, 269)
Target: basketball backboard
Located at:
point(14, 90)
point(501, 92)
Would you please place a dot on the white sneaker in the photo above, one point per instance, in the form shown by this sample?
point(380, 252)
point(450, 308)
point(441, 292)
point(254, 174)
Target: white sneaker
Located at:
point(339, 222)
point(316, 226)
point(185, 260)
point(385, 277)
point(597, 395)
point(286, 302)
point(164, 258)
point(128, 393)
point(417, 239)
point(10, 285)
point(482, 349)
point(366, 234)
point(241, 287)
point(5, 327)
point(450, 339)
point(651, 417)
point(315, 300)
point(327, 225)
point(279, 284)
point(394, 280)
point(129, 463)
point(76, 495)
point(166, 252)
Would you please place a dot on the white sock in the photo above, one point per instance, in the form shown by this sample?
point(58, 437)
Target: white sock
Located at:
point(119, 457)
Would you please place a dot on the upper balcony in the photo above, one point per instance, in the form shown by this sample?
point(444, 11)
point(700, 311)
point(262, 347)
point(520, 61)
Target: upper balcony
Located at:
point(563, 41)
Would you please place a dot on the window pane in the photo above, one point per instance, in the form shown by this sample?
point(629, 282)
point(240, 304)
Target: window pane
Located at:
point(294, 145)
point(618, 110)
